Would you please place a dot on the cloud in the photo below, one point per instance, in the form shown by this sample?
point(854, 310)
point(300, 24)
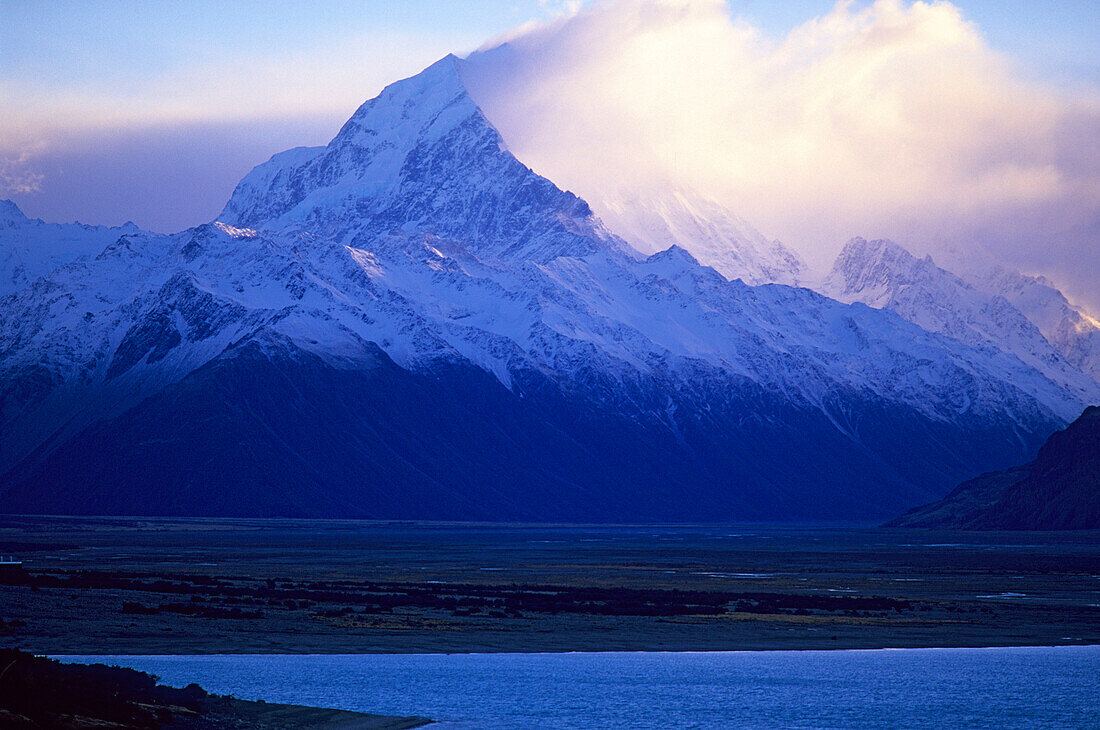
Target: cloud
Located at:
point(890, 119)
point(17, 175)
point(561, 7)
point(164, 177)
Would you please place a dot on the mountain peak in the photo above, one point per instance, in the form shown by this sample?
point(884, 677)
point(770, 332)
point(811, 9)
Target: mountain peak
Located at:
point(418, 159)
point(870, 269)
point(364, 158)
point(675, 253)
point(652, 220)
point(1074, 332)
point(430, 103)
point(859, 250)
point(9, 211)
point(884, 275)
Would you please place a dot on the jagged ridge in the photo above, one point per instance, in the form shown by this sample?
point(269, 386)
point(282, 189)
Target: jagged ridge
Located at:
point(884, 275)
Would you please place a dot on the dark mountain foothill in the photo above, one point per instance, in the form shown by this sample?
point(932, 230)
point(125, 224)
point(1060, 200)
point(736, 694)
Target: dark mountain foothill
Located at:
point(1059, 490)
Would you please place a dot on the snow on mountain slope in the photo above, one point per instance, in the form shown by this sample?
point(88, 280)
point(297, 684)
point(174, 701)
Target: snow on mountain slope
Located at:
point(653, 222)
point(426, 302)
point(883, 275)
point(30, 248)
point(1071, 330)
point(419, 157)
point(664, 341)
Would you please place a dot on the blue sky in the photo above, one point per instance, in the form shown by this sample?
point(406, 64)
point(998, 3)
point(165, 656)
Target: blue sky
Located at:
point(121, 44)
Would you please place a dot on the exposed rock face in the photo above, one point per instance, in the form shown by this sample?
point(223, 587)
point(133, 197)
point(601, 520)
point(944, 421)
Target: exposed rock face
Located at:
point(1059, 490)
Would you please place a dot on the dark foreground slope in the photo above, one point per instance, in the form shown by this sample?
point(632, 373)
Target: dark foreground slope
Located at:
point(1060, 490)
point(39, 693)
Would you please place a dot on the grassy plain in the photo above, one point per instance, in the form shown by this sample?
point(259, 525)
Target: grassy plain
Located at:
point(185, 586)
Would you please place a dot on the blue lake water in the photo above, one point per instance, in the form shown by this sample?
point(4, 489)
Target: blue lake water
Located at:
point(1039, 687)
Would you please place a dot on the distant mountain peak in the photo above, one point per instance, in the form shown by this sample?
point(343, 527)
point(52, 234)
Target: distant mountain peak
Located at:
point(9, 211)
point(864, 265)
point(31, 248)
point(653, 220)
point(884, 275)
point(678, 253)
point(1074, 332)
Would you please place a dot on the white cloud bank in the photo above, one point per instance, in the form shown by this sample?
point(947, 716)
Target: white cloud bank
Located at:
point(888, 120)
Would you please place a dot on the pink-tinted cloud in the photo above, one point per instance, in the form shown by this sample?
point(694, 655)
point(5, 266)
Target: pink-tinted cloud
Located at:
point(888, 120)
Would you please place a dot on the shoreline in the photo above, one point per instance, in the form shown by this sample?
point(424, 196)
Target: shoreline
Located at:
point(79, 658)
point(46, 692)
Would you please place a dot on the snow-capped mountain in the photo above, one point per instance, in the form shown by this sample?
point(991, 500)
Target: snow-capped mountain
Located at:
point(1071, 330)
point(410, 323)
point(653, 222)
point(420, 157)
point(884, 275)
point(30, 248)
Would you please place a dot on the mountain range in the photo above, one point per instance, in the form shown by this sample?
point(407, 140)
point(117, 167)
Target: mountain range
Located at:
point(410, 323)
point(1069, 329)
point(883, 275)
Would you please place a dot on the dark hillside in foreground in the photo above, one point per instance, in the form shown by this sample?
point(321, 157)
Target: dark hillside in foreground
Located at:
point(37, 692)
point(1059, 490)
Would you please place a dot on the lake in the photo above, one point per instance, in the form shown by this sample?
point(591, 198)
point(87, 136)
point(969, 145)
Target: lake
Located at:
point(1035, 687)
